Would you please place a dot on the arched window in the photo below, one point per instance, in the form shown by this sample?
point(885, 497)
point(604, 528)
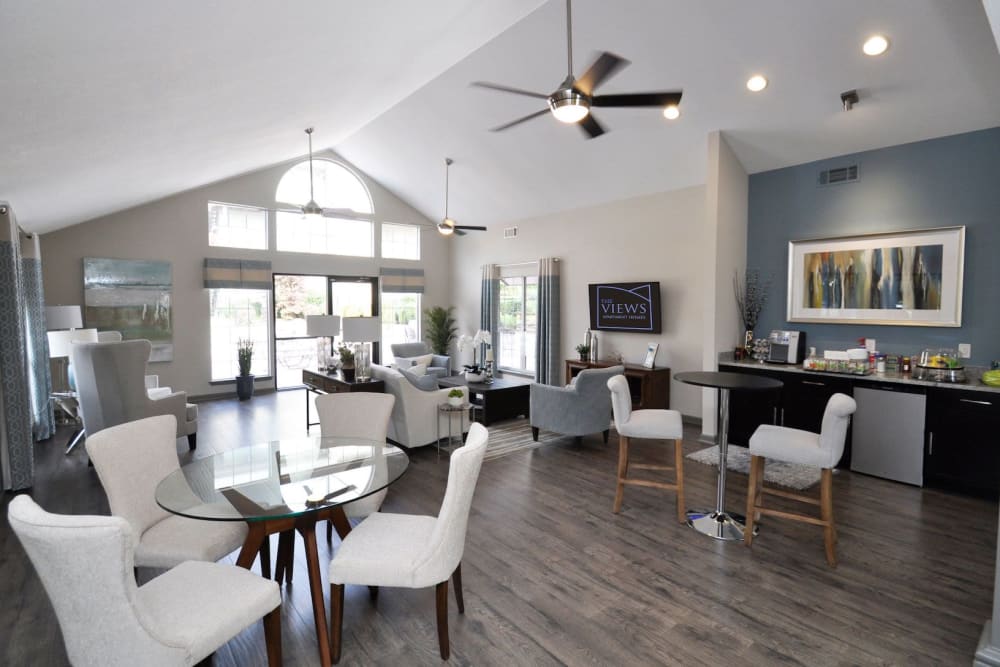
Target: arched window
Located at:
point(350, 231)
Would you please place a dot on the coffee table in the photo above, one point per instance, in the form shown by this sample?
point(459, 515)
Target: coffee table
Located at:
point(504, 398)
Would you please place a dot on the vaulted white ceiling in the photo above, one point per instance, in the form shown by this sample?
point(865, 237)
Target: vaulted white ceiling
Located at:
point(111, 104)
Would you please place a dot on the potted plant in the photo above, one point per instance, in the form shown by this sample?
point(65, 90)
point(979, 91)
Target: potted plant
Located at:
point(583, 351)
point(244, 357)
point(456, 397)
point(440, 328)
point(346, 363)
point(751, 295)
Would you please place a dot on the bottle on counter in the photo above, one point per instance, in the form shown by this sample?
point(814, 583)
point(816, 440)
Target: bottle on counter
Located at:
point(810, 362)
point(905, 366)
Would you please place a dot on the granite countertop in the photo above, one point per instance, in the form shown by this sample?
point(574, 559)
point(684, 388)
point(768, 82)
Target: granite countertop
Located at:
point(974, 374)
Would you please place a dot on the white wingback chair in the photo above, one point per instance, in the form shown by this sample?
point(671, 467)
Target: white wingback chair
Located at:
point(409, 551)
point(131, 460)
point(415, 413)
point(648, 424)
point(792, 445)
point(111, 384)
point(179, 618)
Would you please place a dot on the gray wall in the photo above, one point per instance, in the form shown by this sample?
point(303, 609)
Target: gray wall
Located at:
point(175, 229)
point(935, 183)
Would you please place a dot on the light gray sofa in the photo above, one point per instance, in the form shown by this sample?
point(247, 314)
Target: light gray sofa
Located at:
point(578, 409)
point(440, 365)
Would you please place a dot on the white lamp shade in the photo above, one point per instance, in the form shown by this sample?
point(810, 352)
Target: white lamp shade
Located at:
point(60, 341)
point(63, 317)
point(322, 325)
point(362, 329)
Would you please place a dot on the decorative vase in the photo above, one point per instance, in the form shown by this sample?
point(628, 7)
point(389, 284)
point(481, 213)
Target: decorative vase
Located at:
point(348, 373)
point(473, 377)
point(455, 401)
point(748, 341)
point(244, 387)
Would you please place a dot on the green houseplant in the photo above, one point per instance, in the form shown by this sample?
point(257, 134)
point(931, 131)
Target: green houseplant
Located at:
point(244, 357)
point(439, 327)
point(455, 397)
point(583, 351)
point(346, 362)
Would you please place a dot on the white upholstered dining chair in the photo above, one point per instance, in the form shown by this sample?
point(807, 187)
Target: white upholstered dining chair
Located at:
point(822, 450)
point(131, 459)
point(648, 424)
point(179, 618)
point(412, 551)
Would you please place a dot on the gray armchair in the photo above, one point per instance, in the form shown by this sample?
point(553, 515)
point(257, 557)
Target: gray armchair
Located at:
point(578, 409)
point(440, 365)
point(111, 388)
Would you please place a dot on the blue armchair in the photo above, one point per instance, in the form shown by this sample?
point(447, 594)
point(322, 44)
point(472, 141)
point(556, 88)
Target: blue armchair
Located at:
point(578, 409)
point(440, 365)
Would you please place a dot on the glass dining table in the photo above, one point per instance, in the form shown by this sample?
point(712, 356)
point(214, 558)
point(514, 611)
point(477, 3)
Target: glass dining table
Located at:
point(283, 486)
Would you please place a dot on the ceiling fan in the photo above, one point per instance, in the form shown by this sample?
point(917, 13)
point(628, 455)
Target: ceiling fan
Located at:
point(447, 226)
point(572, 100)
point(313, 210)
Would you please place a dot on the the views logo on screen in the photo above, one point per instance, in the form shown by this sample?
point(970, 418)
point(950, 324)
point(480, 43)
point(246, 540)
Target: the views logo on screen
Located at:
point(625, 307)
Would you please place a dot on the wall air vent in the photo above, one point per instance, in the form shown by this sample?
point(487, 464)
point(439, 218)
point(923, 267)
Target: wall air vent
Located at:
point(839, 175)
point(509, 232)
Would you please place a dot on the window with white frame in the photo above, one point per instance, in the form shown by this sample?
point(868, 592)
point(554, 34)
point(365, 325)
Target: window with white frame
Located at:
point(518, 305)
point(346, 230)
point(236, 314)
point(400, 321)
point(400, 241)
point(235, 226)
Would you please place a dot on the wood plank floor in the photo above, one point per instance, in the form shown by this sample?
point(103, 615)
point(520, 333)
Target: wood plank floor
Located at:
point(553, 577)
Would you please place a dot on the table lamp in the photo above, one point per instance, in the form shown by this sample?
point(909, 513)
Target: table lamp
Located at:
point(63, 324)
point(324, 327)
point(362, 331)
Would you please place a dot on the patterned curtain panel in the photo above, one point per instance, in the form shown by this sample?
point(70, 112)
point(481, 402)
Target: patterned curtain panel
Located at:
point(43, 424)
point(16, 455)
point(489, 318)
point(548, 365)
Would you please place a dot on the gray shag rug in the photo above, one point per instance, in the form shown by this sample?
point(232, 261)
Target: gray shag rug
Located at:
point(791, 475)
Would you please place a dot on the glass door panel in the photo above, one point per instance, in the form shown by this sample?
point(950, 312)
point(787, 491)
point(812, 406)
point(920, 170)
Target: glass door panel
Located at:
point(295, 297)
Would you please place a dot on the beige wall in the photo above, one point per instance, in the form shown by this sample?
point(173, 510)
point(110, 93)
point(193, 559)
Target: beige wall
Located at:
point(175, 229)
point(656, 237)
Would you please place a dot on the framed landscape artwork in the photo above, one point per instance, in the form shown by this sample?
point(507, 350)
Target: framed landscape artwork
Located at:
point(903, 278)
point(131, 296)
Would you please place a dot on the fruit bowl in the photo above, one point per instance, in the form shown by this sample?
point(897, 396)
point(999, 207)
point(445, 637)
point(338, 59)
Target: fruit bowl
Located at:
point(939, 365)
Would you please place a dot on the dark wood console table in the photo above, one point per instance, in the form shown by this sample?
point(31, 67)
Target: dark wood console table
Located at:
point(650, 387)
point(318, 382)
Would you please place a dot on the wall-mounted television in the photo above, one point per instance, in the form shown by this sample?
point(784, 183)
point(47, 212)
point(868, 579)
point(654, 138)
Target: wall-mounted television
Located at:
point(625, 307)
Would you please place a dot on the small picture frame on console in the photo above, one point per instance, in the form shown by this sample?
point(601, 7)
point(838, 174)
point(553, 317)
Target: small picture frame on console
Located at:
point(650, 355)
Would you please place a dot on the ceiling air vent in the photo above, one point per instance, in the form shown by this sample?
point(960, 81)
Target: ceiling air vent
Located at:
point(509, 232)
point(839, 175)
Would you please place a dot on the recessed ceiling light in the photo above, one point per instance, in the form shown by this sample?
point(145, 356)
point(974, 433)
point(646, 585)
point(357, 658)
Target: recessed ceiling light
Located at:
point(671, 112)
point(756, 83)
point(875, 45)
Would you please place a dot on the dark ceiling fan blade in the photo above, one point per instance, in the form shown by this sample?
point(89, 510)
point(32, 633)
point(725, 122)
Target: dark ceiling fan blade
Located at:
point(520, 120)
point(606, 66)
point(508, 89)
point(638, 99)
point(591, 126)
point(475, 228)
point(458, 232)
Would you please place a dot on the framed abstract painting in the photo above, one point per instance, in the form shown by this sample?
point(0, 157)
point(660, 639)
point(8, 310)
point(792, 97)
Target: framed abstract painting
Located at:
point(911, 278)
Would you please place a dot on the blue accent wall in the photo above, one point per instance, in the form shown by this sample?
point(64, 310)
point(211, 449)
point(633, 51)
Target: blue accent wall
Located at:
point(935, 183)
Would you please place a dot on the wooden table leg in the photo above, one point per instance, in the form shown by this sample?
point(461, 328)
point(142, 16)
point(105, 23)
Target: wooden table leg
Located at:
point(306, 525)
point(339, 521)
point(251, 546)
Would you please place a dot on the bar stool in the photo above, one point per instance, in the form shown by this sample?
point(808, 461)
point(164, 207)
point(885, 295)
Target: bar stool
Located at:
point(652, 424)
point(803, 447)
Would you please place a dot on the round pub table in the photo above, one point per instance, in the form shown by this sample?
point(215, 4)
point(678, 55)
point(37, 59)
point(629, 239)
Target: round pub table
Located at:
point(718, 523)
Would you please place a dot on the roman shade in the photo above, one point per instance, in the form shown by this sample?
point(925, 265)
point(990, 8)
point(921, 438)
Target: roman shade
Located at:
point(237, 273)
point(402, 280)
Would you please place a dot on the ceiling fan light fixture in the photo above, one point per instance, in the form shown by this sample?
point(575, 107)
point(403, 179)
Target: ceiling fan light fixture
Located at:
point(446, 227)
point(311, 210)
point(672, 112)
point(569, 106)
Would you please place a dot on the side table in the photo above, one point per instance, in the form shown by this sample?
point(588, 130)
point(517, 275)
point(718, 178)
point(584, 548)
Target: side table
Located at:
point(448, 411)
point(319, 382)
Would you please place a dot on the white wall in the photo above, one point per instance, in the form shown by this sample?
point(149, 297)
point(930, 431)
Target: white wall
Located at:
point(656, 237)
point(724, 252)
point(175, 229)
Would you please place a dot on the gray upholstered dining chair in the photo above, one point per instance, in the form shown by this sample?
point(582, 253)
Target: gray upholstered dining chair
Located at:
point(578, 409)
point(439, 365)
point(111, 384)
point(412, 551)
point(646, 424)
point(179, 618)
point(791, 445)
point(131, 459)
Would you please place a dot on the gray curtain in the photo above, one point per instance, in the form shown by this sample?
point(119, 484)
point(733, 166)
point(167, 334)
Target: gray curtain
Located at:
point(36, 341)
point(548, 360)
point(489, 301)
point(16, 456)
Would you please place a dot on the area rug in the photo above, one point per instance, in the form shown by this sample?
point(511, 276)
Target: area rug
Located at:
point(514, 435)
point(791, 475)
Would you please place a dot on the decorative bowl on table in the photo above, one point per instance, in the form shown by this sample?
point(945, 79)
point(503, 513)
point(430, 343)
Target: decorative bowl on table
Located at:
point(474, 377)
point(939, 365)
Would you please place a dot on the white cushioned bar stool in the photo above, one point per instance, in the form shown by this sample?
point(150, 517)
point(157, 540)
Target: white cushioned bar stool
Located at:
point(650, 424)
point(792, 445)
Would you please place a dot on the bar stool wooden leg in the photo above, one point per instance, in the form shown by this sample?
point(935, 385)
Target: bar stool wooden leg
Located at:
point(753, 493)
point(679, 468)
point(826, 508)
point(622, 470)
